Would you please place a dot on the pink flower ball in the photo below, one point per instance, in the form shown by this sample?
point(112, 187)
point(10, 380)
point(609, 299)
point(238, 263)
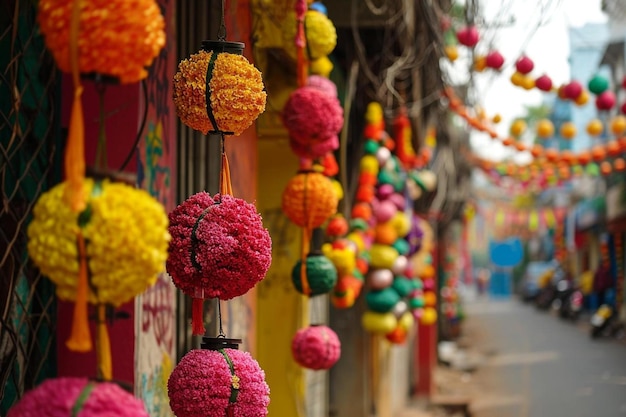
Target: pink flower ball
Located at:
point(323, 84)
point(311, 115)
point(384, 191)
point(56, 398)
point(385, 211)
point(398, 200)
point(316, 347)
point(201, 385)
point(218, 249)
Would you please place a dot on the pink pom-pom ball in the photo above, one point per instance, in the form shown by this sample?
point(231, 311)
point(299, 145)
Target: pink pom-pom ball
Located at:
point(385, 211)
point(202, 383)
point(57, 397)
point(218, 249)
point(384, 191)
point(316, 347)
point(398, 200)
point(311, 115)
point(323, 84)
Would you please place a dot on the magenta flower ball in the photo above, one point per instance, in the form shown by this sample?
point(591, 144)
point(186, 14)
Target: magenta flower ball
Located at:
point(316, 347)
point(218, 249)
point(203, 385)
point(57, 397)
point(311, 115)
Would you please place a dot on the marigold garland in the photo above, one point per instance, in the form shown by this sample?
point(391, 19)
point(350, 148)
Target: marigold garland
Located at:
point(237, 96)
point(126, 241)
point(219, 246)
point(115, 39)
point(309, 199)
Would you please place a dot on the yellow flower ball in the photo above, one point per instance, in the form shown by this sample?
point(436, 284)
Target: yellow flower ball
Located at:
point(321, 66)
point(429, 316)
point(125, 230)
point(357, 239)
point(343, 259)
point(320, 32)
point(237, 96)
point(338, 189)
point(406, 321)
point(369, 164)
point(378, 322)
point(382, 256)
point(401, 223)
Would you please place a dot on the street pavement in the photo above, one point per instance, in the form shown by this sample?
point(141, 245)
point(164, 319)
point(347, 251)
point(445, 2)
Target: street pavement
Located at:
point(530, 363)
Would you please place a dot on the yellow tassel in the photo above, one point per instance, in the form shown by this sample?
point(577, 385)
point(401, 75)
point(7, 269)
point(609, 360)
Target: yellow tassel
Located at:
point(80, 338)
point(105, 367)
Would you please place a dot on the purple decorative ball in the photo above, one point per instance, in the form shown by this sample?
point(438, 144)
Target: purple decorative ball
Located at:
point(203, 385)
point(218, 248)
point(57, 397)
point(316, 347)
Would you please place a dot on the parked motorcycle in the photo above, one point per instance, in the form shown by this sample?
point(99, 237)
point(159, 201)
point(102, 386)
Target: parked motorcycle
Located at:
point(573, 304)
point(605, 322)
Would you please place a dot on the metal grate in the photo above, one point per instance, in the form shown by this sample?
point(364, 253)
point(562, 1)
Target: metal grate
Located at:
point(29, 164)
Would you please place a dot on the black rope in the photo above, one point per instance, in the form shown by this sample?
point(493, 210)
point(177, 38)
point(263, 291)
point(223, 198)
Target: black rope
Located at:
point(219, 318)
point(221, 32)
point(141, 127)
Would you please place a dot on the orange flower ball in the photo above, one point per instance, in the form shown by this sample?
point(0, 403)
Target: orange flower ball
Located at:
point(536, 151)
point(613, 148)
point(619, 165)
point(568, 130)
point(552, 155)
point(618, 125)
point(361, 211)
point(237, 96)
point(584, 157)
point(582, 99)
point(595, 127)
point(117, 38)
point(309, 199)
point(545, 129)
point(385, 233)
point(606, 168)
point(518, 127)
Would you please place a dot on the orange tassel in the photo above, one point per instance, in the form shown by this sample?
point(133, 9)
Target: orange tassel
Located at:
point(226, 187)
point(103, 346)
point(74, 163)
point(197, 317)
point(304, 279)
point(80, 338)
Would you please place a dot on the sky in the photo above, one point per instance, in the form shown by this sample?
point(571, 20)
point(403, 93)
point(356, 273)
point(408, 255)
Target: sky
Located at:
point(540, 30)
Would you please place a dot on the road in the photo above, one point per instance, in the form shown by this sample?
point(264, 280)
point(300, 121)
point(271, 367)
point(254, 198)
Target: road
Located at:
point(536, 365)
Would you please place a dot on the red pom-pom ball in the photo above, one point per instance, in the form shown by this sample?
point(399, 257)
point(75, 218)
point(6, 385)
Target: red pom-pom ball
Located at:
point(218, 249)
point(316, 347)
point(203, 385)
point(57, 398)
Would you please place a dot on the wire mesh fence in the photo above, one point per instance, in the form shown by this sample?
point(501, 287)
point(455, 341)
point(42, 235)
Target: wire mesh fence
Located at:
point(29, 164)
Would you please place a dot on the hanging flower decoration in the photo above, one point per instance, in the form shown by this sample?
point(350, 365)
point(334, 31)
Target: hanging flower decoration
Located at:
point(309, 199)
point(313, 120)
point(219, 246)
point(65, 397)
point(113, 39)
point(126, 233)
point(107, 254)
point(321, 35)
point(316, 347)
point(219, 249)
point(236, 92)
point(218, 383)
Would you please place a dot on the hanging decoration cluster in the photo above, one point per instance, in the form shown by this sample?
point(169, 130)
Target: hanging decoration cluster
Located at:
point(100, 241)
point(219, 247)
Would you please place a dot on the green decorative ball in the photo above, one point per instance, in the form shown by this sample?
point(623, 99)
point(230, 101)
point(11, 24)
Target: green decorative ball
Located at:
point(402, 285)
point(598, 84)
point(402, 246)
point(382, 301)
point(321, 275)
point(371, 146)
point(416, 303)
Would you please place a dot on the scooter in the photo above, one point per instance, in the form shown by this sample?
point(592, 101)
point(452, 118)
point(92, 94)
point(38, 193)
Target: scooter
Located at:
point(605, 322)
point(573, 305)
